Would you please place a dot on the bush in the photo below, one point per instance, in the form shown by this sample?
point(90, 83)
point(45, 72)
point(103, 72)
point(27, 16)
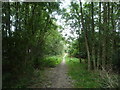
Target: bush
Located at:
point(52, 61)
point(47, 61)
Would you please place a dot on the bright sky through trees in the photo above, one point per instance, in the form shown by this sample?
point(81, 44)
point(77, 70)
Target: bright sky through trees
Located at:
point(67, 29)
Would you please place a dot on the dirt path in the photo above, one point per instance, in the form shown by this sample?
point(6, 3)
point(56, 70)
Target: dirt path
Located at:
point(58, 76)
point(55, 77)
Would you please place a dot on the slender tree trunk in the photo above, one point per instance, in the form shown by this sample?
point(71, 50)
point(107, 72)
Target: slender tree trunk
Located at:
point(99, 46)
point(104, 35)
point(113, 32)
point(5, 25)
point(93, 38)
point(8, 19)
point(85, 36)
point(79, 49)
point(107, 36)
point(17, 21)
point(33, 17)
point(79, 41)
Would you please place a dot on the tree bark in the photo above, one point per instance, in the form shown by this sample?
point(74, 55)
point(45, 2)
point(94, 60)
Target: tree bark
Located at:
point(93, 38)
point(85, 36)
point(99, 46)
point(104, 35)
point(8, 20)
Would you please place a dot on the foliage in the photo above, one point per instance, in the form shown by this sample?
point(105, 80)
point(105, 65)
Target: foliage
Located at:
point(29, 32)
point(25, 81)
point(74, 51)
point(97, 25)
point(51, 61)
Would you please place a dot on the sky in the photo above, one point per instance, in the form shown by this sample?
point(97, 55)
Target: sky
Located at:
point(67, 29)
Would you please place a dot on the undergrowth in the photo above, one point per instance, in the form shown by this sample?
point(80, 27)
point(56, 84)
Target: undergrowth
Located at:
point(109, 79)
point(83, 78)
point(34, 74)
point(52, 61)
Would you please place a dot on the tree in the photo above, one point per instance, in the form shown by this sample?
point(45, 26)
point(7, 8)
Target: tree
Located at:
point(85, 35)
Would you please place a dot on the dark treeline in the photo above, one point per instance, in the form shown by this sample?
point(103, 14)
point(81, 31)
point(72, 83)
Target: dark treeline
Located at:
point(97, 25)
point(29, 33)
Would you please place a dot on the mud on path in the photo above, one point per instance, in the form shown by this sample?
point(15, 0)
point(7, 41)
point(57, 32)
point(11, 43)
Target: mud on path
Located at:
point(56, 77)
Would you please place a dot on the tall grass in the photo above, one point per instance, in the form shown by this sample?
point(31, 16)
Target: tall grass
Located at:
point(83, 78)
point(109, 79)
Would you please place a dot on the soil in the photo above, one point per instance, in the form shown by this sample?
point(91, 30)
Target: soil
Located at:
point(56, 77)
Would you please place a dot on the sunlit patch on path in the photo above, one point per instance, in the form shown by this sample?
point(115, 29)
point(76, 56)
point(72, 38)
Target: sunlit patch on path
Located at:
point(63, 61)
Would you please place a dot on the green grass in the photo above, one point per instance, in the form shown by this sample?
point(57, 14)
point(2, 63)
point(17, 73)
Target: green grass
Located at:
point(83, 78)
point(52, 61)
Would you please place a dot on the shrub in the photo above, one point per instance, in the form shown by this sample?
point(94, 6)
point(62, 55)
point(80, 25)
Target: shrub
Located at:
point(52, 61)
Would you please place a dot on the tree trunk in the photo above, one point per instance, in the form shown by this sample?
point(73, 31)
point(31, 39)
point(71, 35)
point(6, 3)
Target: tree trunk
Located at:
point(93, 38)
point(79, 41)
point(85, 36)
point(104, 35)
point(99, 46)
point(8, 19)
point(113, 32)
